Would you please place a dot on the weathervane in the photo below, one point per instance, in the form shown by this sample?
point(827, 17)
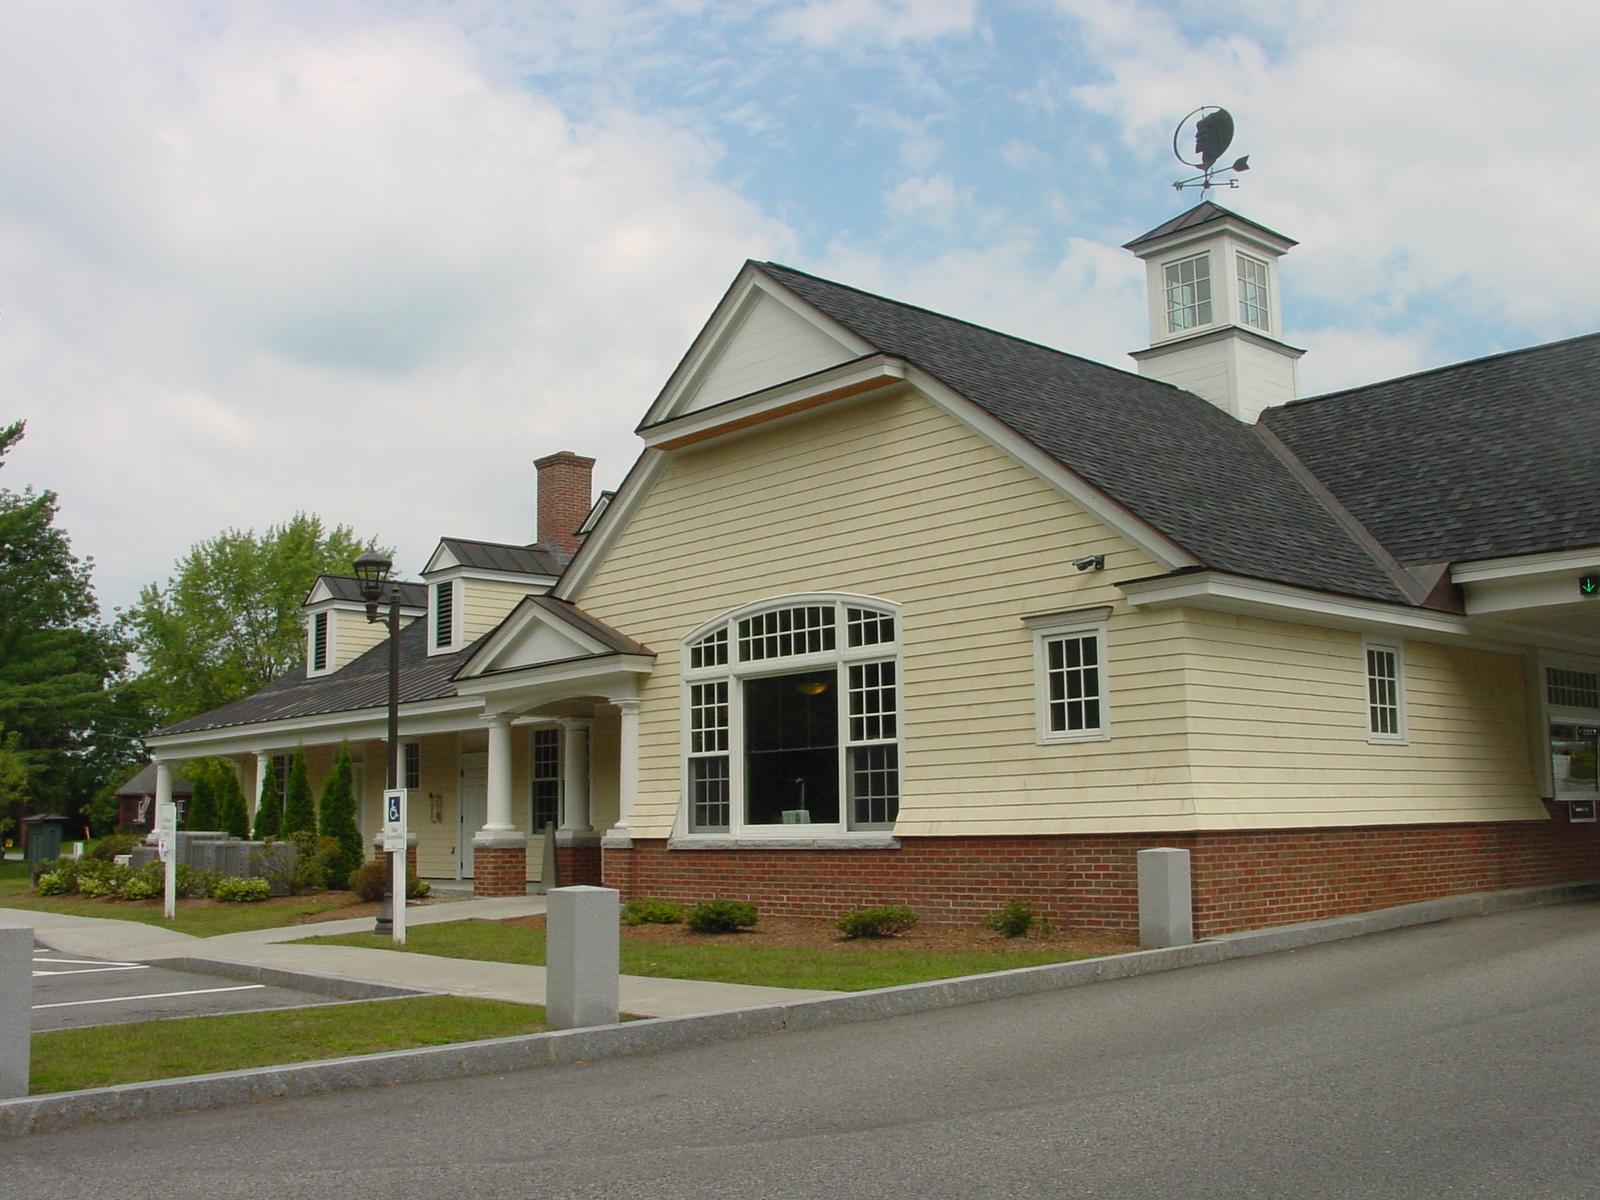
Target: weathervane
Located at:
point(1213, 133)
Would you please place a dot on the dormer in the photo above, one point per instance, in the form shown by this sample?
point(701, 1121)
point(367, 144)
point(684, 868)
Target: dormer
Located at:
point(337, 629)
point(1215, 317)
point(472, 586)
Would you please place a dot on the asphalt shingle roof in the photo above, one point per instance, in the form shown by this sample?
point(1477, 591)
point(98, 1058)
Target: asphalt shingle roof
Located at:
point(1178, 462)
point(1482, 459)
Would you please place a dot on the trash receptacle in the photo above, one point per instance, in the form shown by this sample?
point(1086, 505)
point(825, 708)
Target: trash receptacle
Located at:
point(41, 837)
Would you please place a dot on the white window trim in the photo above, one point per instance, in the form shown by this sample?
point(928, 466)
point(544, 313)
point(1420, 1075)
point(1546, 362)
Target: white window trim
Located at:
point(1240, 258)
point(1402, 737)
point(1561, 714)
point(1166, 295)
point(735, 673)
point(437, 647)
point(1046, 629)
point(329, 648)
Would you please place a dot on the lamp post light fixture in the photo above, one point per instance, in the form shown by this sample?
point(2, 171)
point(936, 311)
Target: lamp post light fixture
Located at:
point(372, 569)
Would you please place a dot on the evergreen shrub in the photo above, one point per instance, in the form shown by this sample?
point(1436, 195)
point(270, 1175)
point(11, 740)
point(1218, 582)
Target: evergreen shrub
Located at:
point(720, 915)
point(240, 891)
point(299, 814)
point(1016, 918)
point(337, 820)
point(885, 920)
point(647, 910)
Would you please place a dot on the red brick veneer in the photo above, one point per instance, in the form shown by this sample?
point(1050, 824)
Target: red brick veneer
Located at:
point(1242, 880)
point(499, 870)
point(578, 865)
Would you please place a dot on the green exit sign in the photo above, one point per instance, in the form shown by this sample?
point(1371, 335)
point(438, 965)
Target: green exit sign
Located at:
point(1589, 585)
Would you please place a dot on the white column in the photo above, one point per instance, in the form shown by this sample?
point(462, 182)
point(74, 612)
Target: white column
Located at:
point(252, 798)
point(499, 819)
point(575, 776)
point(627, 765)
point(163, 785)
point(166, 832)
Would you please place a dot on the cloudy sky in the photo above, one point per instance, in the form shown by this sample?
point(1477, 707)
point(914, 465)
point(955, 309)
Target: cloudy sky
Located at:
point(370, 259)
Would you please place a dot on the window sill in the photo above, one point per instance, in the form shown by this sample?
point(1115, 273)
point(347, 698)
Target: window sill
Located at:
point(833, 841)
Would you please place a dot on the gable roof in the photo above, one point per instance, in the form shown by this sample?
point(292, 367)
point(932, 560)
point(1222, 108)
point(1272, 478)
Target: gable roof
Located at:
point(1177, 462)
point(1483, 459)
point(144, 783)
point(348, 588)
point(502, 556)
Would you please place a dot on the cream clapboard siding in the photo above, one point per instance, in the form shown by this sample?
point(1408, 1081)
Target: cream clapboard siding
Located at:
point(1279, 731)
point(896, 499)
point(351, 635)
point(485, 603)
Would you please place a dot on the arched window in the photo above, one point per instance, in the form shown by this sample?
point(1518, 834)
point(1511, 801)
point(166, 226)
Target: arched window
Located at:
point(793, 717)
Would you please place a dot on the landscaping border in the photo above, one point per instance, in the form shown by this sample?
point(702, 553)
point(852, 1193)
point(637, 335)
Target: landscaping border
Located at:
point(69, 1110)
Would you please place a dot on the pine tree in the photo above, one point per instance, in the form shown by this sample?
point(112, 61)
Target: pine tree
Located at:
point(232, 814)
point(269, 807)
point(337, 820)
point(299, 815)
point(202, 810)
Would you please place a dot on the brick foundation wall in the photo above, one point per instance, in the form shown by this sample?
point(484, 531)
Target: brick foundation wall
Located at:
point(1242, 880)
point(578, 865)
point(499, 870)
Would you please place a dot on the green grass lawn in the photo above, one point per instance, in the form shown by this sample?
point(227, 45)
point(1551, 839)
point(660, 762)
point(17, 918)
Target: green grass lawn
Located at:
point(16, 892)
point(105, 1055)
point(853, 967)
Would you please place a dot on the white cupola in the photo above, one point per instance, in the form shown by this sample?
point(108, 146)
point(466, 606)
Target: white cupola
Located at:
point(1214, 310)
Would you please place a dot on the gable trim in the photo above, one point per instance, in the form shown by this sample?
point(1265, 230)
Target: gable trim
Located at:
point(640, 481)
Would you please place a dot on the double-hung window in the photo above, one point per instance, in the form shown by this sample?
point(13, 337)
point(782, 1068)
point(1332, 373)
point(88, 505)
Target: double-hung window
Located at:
point(1070, 676)
point(545, 764)
point(1386, 714)
point(792, 717)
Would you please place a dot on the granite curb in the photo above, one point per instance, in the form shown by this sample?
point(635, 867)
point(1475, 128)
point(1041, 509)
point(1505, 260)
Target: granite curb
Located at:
point(68, 1110)
point(286, 977)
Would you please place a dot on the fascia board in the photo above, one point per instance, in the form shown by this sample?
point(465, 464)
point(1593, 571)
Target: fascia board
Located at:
point(355, 606)
point(1522, 566)
point(1072, 485)
point(1524, 637)
point(515, 623)
point(626, 667)
point(441, 559)
point(748, 286)
point(360, 724)
point(488, 575)
point(1210, 231)
point(635, 488)
point(719, 422)
point(1251, 597)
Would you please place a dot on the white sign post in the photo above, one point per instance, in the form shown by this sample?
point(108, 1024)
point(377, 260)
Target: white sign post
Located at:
point(167, 848)
point(394, 844)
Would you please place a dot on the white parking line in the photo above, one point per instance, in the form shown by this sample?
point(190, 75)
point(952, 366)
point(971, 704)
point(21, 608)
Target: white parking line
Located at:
point(83, 962)
point(95, 970)
point(243, 987)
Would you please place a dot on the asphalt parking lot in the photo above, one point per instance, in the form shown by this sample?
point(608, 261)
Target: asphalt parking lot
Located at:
point(72, 991)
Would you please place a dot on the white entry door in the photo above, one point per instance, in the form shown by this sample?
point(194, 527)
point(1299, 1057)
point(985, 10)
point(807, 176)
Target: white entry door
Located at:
point(472, 806)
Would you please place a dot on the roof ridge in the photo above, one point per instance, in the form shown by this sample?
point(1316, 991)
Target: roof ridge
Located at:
point(1010, 337)
point(1439, 370)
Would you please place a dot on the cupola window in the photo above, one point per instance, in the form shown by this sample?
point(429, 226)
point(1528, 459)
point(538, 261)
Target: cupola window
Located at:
point(1189, 293)
point(1253, 303)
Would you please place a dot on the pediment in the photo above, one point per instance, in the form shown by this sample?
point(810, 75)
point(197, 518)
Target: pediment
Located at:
point(761, 336)
point(541, 631)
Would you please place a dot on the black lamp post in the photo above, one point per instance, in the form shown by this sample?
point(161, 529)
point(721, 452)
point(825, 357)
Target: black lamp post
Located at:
point(372, 568)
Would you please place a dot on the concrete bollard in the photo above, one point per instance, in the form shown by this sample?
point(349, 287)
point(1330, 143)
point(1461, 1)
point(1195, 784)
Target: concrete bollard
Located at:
point(1166, 902)
point(582, 949)
point(16, 1008)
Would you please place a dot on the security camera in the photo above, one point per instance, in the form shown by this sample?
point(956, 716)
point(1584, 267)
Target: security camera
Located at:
point(1092, 562)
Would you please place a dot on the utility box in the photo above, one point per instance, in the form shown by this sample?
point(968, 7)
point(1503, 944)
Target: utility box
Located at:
point(41, 837)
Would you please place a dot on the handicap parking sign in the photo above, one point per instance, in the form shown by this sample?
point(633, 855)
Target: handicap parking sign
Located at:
point(394, 819)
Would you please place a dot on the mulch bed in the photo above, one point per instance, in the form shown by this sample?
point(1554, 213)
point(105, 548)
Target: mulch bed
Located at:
point(819, 934)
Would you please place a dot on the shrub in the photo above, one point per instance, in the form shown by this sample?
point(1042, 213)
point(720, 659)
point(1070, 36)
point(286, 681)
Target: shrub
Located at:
point(1015, 918)
point(647, 910)
point(307, 870)
point(369, 880)
point(188, 881)
point(299, 813)
point(336, 816)
point(148, 882)
point(51, 884)
point(93, 887)
point(718, 915)
point(886, 920)
point(113, 844)
point(240, 891)
point(64, 869)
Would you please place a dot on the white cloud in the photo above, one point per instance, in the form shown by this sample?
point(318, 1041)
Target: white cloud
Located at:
point(891, 22)
point(264, 267)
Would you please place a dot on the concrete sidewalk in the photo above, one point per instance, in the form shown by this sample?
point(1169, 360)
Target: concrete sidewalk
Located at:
point(135, 941)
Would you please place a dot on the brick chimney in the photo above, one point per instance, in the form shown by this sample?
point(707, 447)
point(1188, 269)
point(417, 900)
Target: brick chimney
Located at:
point(565, 495)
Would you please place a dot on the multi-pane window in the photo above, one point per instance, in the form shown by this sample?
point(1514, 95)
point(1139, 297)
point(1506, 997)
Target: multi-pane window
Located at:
point(444, 614)
point(319, 642)
point(1072, 683)
point(1070, 675)
point(411, 766)
point(545, 770)
point(1384, 717)
point(1188, 293)
point(1253, 304)
point(815, 745)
